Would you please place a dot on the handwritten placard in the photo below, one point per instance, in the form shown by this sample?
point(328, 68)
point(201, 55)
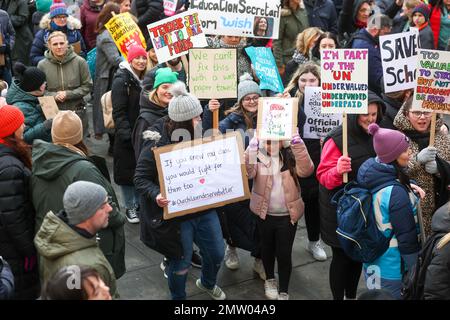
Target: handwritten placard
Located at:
point(317, 124)
point(277, 118)
point(433, 81)
point(174, 36)
point(344, 81)
point(213, 73)
point(202, 174)
point(125, 32)
point(265, 68)
point(399, 53)
point(48, 106)
point(249, 18)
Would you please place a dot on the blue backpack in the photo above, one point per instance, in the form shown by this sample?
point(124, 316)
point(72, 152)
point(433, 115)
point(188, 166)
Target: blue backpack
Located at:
point(357, 229)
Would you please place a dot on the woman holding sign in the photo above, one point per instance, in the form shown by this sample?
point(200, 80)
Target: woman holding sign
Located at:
point(308, 75)
point(423, 166)
point(344, 272)
point(174, 237)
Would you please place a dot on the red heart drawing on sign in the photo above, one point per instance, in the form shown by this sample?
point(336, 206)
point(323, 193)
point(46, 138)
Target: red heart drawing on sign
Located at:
point(202, 180)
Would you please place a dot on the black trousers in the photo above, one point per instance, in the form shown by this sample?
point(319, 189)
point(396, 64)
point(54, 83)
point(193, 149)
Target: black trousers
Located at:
point(344, 275)
point(277, 239)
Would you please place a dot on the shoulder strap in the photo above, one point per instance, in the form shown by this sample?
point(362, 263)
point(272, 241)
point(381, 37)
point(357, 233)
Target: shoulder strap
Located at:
point(387, 184)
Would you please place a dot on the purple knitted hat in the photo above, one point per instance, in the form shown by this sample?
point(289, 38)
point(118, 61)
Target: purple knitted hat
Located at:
point(388, 144)
point(423, 9)
point(58, 8)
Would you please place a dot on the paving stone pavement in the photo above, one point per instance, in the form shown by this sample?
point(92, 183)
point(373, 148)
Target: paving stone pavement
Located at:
point(144, 279)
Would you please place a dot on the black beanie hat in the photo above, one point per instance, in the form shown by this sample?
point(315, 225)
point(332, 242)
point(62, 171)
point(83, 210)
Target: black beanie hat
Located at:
point(30, 78)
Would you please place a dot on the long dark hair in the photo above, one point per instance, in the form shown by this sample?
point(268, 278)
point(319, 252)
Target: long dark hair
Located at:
point(289, 163)
point(171, 126)
point(326, 35)
point(105, 15)
point(22, 149)
point(402, 176)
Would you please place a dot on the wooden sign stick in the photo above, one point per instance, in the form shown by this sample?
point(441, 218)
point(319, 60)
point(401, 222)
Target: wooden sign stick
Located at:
point(344, 143)
point(433, 129)
point(216, 120)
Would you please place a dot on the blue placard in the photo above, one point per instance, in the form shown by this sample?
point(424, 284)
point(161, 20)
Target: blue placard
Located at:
point(265, 68)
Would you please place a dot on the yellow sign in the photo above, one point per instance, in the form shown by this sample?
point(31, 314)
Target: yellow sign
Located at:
point(125, 32)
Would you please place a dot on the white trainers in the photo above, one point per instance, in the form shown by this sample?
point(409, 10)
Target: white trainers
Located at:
point(216, 293)
point(283, 296)
point(271, 289)
point(258, 268)
point(231, 258)
point(316, 249)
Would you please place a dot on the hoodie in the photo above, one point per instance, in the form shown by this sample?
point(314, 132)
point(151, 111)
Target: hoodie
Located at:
point(59, 246)
point(54, 168)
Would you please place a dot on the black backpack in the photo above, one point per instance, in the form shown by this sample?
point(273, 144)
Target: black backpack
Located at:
point(414, 279)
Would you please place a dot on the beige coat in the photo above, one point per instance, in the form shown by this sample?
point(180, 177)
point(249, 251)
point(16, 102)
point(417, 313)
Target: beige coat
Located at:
point(262, 186)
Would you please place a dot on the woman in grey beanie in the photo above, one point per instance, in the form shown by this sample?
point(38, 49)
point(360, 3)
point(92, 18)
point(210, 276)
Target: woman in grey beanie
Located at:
point(174, 238)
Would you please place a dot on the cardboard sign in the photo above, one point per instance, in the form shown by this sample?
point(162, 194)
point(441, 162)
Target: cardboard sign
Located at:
point(49, 106)
point(317, 124)
point(265, 68)
point(399, 59)
point(125, 33)
point(277, 118)
point(213, 73)
point(202, 174)
point(173, 37)
point(249, 18)
point(433, 81)
point(344, 81)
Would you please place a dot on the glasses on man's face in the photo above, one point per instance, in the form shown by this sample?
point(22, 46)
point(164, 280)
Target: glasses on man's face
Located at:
point(109, 201)
point(418, 114)
point(248, 99)
point(60, 17)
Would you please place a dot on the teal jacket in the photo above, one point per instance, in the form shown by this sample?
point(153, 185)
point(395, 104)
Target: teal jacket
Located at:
point(31, 109)
point(54, 168)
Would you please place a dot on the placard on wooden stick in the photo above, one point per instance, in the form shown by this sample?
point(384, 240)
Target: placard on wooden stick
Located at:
point(277, 118)
point(49, 106)
point(202, 174)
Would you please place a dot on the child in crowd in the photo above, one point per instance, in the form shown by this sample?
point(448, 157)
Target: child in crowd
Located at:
point(420, 19)
point(276, 199)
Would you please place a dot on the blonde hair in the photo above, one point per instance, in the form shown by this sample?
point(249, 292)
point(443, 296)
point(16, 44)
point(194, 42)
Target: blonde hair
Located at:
point(308, 67)
point(306, 38)
point(55, 34)
point(411, 4)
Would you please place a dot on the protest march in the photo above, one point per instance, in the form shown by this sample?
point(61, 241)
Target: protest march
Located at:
point(224, 149)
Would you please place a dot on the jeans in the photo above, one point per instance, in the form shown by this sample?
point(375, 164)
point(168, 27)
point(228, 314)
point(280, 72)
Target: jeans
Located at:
point(130, 196)
point(206, 233)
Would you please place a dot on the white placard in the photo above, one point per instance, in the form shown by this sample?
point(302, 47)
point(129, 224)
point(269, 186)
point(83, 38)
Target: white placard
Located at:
point(317, 124)
point(277, 118)
point(399, 53)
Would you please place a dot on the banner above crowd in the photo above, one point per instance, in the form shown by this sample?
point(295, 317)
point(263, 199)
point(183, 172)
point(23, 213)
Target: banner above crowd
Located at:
point(265, 68)
point(173, 37)
point(243, 18)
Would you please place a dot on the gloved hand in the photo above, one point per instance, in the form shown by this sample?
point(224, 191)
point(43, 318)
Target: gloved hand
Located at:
point(344, 165)
point(48, 124)
point(431, 167)
point(426, 155)
point(296, 139)
point(253, 145)
point(29, 263)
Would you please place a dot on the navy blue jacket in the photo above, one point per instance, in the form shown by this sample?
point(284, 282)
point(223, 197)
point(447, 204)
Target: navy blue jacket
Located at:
point(365, 40)
point(322, 14)
point(6, 281)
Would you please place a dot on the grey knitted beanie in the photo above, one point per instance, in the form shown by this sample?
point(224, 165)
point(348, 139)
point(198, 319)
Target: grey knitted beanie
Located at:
point(82, 199)
point(183, 106)
point(247, 86)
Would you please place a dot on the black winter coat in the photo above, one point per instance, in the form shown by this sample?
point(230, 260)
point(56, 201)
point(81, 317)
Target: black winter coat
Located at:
point(149, 113)
point(392, 108)
point(322, 14)
point(126, 89)
point(17, 222)
point(437, 279)
point(148, 11)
